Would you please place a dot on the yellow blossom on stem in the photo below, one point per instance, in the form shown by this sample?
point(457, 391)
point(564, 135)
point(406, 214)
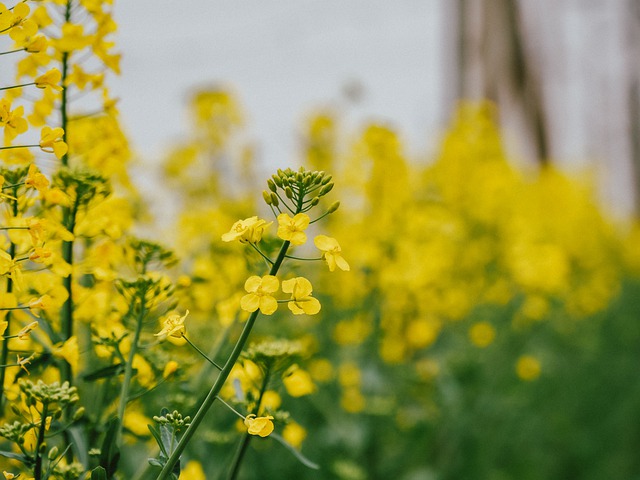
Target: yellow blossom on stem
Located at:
point(12, 120)
point(49, 79)
point(23, 362)
point(292, 229)
point(6, 263)
point(35, 179)
point(37, 44)
point(51, 141)
point(294, 434)
point(26, 331)
point(41, 303)
point(247, 230)
point(170, 368)
point(69, 352)
point(258, 296)
point(40, 254)
point(301, 300)
point(261, 426)
point(331, 252)
point(173, 328)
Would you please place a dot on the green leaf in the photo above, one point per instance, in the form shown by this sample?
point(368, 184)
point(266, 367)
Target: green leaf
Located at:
point(98, 473)
point(296, 453)
point(16, 456)
point(110, 454)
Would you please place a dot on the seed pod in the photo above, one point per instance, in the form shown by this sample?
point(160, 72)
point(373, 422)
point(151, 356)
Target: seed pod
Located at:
point(53, 453)
point(79, 414)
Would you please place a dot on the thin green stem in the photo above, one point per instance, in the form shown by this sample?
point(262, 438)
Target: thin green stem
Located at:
point(37, 470)
point(10, 147)
point(303, 259)
point(128, 370)
point(222, 377)
point(16, 86)
point(204, 355)
point(244, 444)
point(269, 261)
point(4, 353)
point(67, 307)
point(64, 103)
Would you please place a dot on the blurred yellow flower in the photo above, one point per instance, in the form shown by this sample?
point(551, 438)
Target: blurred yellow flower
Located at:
point(69, 351)
point(259, 294)
point(294, 434)
point(192, 471)
point(292, 229)
point(528, 367)
point(331, 252)
point(50, 79)
point(298, 382)
point(301, 300)
point(51, 141)
point(482, 334)
point(24, 333)
point(261, 426)
point(170, 368)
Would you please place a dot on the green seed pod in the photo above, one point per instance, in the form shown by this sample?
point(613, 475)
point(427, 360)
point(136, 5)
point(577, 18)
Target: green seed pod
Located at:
point(333, 207)
point(274, 200)
point(271, 185)
point(267, 197)
point(15, 409)
point(288, 192)
point(53, 453)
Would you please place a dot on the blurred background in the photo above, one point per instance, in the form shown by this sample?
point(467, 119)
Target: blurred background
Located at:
point(564, 73)
point(487, 159)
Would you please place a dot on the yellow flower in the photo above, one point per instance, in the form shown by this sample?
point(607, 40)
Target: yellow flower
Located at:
point(3, 327)
point(301, 300)
point(292, 229)
point(23, 362)
point(41, 303)
point(40, 254)
point(331, 252)
point(294, 434)
point(9, 475)
point(6, 263)
point(482, 334)
point(259, 294)
point(24, 333)
point(528, 368)
point(35, 179)
point(298, 382)
point(37, 44)
point(69, 351)
point(170, 368)
point(12, 120)
point(247, 230)
point(261, 426)
point(51, 141)
point(73, 38)
point(192, 471)
point(50, 78)
point(173, 328)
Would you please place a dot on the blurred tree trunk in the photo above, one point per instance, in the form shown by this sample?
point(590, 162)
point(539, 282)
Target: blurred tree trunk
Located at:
point(495, 64)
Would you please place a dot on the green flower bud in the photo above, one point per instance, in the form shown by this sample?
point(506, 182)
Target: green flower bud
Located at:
point(53, 453)
point(271, 185)
point(315, 201)
point(326, 189)
point(274, 200)
point(333, 207)
point(326, 179)
point(285, 182)
point(307, 180)
point(267, 197)
point(78, 414)
point(277, 180)
point(288, 192)
point(299, 177)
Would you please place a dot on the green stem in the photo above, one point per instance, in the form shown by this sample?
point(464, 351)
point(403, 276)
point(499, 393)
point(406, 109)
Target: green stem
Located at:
point(64, 115)
point(37, 470)
point(244, 444)
point(67, 282)
point(4, 353)
point(204, 355)
point(222, 377)
point(128, 370)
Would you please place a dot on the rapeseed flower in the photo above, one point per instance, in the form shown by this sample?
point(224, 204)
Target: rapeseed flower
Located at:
point(247, 230)
point(331, 252)
point(261, 426)
point(292, 229)
point(301, 300)
point(258, 296)
point(173, 329)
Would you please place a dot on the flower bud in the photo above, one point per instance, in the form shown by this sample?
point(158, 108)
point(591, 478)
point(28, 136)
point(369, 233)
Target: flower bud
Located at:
point(271, 185)
point(315, 201)
point(326, 189)
point(326, 179)
point(277, 180)
point(274, 200)
point(78, 414)
point(299, 177)
point(267, 197)
point(333, 207)
point(288, 192)
point(53, 453)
